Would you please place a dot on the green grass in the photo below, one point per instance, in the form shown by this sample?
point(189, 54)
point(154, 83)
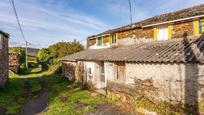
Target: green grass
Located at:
point(13, 96)
point(33, 68)
point(65, 96)
point(161, 107)
point(35, 86)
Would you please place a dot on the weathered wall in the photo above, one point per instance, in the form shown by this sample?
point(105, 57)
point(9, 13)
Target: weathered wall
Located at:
point(90, 67)
point(178, 30)
point(91, 42)
point(147, 33)
point(105, 39)
point(92, 74)
point(3, 61)
point(171, 82)
point(14, 62)
point(68, 69)
point(89, 71)
point(74, 70)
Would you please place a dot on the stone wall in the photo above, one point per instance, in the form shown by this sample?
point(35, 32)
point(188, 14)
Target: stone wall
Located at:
point(106, 39)
point(14, 62)
point(178, 30)
point(91, 42)
point(3, 61)
point(73, 70)
point(147, 34)
point(68, 69)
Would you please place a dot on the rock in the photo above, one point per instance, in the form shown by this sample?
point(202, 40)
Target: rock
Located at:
point(63, 99)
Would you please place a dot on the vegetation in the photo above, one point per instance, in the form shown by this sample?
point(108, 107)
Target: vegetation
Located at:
point(20, 87)
point(68, 98)
point(161, 107)
point(65, 97)
point(140, 102)
point(13, 96)
point(44, 58)
point(51, 55)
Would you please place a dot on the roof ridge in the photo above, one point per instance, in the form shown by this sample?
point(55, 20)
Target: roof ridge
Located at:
point(140, 23)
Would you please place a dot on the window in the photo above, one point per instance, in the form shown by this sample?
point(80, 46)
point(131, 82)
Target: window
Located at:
point(90, 73)
point(162, 33)
point(99, 41)
point(201, 26)
point(102, 72)
point(120, 71)
point(114, 39)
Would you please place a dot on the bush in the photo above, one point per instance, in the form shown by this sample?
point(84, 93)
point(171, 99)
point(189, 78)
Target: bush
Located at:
point(51, 55)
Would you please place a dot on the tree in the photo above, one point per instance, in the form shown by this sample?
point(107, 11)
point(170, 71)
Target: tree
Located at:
point(53, 53)
point(44, 58)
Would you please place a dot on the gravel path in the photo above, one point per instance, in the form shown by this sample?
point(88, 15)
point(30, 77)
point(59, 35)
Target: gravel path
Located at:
point(36, 105)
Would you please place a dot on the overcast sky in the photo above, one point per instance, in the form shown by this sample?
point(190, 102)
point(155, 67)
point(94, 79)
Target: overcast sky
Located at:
point(46, 22)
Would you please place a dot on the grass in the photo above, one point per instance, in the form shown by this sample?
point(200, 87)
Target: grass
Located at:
point(13, 96)
point(161, 107)
point(34, 68)
point(35, 86)
point(67, 98)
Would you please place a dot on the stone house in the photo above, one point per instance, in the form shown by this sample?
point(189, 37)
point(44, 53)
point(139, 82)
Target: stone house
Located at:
point(162, 57)
point(3, 58)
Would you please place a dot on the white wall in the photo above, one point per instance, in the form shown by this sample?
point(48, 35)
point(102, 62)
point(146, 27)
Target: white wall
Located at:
point(106, 45)
point(178, 82)
point(96, 79)
point(110, 73)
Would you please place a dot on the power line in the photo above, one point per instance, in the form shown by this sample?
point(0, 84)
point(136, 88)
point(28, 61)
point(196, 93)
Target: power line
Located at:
point(130, 10)
point(18, 21)
point(21, 30)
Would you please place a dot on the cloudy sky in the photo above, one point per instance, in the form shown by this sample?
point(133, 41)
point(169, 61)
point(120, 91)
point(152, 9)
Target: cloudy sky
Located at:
point(46, 22)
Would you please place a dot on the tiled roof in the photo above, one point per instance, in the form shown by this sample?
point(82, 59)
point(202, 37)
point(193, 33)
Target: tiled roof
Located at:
point(184, 13)
point(180, 50)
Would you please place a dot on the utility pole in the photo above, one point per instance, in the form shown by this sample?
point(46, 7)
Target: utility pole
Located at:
point(130, 9)
point(21, 30)
point(26, 51)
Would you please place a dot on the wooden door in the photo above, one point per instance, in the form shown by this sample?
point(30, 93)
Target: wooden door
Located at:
point(121, 71)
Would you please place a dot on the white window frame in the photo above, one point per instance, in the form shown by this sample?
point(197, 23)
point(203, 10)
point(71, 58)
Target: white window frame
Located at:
point(102, 71)
point(200, 26)
point(114, 39)
point(162, 31)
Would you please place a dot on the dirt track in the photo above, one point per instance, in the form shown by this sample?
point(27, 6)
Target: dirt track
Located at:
point(37, 103)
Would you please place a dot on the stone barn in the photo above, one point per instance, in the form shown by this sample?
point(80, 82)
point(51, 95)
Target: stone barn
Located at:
point(14, 62)
point(4, 67)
